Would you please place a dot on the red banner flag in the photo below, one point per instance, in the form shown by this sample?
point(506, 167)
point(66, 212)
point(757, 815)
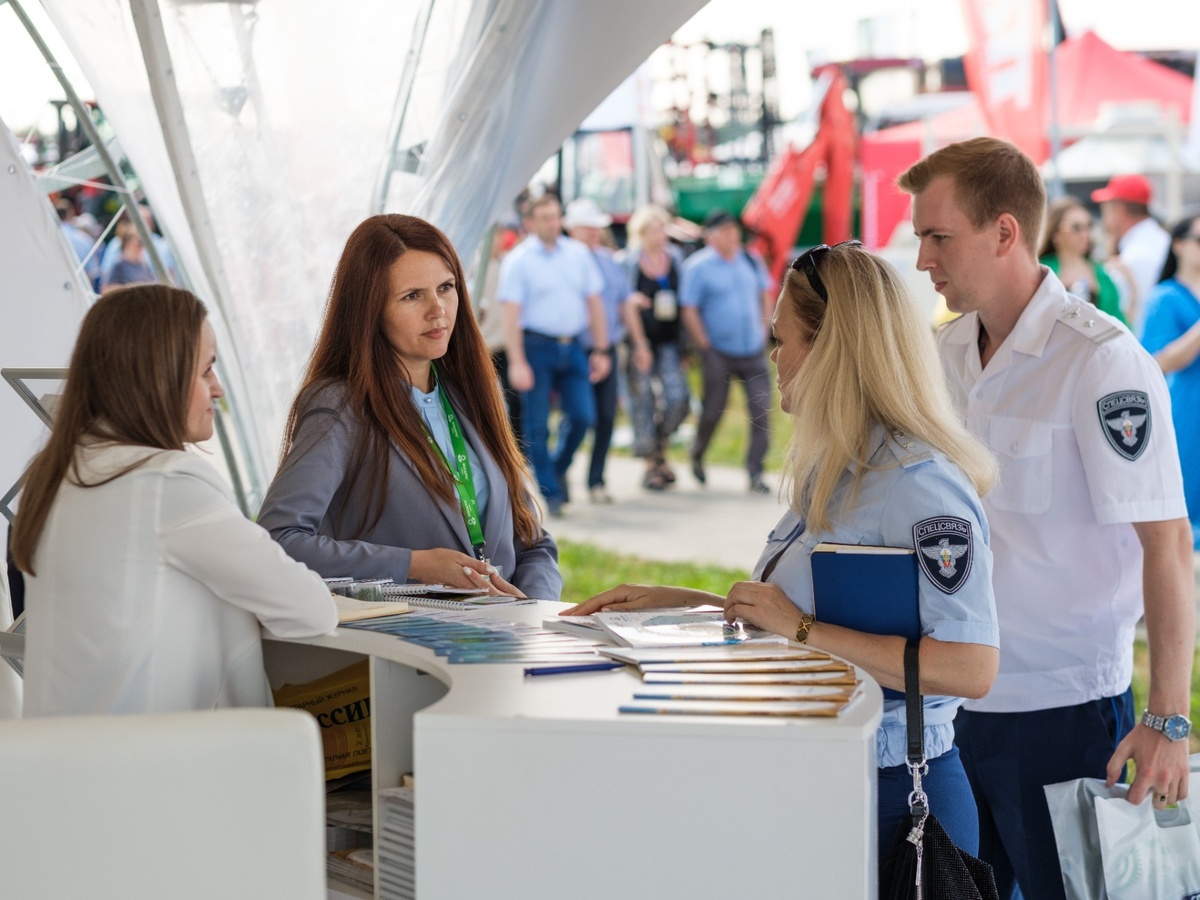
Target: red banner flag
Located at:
point(1007, 70)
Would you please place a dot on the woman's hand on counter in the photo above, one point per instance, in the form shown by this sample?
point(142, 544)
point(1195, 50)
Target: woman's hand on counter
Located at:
point(762, 605)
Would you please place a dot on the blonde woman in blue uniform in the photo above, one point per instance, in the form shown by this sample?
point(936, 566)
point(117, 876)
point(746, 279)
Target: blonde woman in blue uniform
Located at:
point(877, 457)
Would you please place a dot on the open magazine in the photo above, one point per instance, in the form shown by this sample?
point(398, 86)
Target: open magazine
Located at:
point(695, 626)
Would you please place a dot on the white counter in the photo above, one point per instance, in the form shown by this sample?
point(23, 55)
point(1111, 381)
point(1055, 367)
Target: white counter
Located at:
point(538, 788)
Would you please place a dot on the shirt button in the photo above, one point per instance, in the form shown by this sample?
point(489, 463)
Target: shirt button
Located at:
point(1013, 448)
point(1089, 323)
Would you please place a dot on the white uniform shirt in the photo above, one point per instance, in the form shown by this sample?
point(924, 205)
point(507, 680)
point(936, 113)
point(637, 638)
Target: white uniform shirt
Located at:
point(150, 590)
point(1079, 418)
point(1143, 250)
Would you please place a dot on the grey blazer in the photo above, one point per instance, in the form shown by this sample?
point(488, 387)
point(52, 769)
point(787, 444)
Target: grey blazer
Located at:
point(309, 510)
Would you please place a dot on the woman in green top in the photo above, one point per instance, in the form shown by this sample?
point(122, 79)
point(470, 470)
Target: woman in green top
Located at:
point(1066, 250)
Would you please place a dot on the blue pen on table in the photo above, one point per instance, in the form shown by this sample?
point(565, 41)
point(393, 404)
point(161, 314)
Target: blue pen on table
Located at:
point(587, 667)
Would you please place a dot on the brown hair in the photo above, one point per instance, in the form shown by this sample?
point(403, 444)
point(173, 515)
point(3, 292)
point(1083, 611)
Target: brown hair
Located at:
point(871, 361)
point(1054, 216)
point(132, 367)
point(544, 200)
point(352, 351)
point(991, 177)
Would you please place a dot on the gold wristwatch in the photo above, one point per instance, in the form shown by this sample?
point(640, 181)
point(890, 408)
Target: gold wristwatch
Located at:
point(806, 622)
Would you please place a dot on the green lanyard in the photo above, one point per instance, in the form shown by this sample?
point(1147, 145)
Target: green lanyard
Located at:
point(464, 481)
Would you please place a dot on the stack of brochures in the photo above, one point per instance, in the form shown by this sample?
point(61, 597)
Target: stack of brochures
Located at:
point(466, 635)
point(356, 867)
point(742, 680)
point(347, 819)
point(397, 856)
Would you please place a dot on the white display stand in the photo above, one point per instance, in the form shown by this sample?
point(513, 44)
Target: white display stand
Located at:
point(538, 788)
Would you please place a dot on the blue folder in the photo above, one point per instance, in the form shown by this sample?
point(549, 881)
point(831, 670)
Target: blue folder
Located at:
point(867, 590)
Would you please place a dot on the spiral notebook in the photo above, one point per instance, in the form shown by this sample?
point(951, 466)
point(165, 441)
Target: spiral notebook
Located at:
point(439, 596)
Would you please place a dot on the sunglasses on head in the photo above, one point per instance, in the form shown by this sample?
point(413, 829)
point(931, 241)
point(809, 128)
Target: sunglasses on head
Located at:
point(806, 262)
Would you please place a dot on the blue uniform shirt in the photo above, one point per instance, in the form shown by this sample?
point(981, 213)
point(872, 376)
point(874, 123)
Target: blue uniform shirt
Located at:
point(430, 407)
point(551, 285)
point(728, 294)
point(906, 484)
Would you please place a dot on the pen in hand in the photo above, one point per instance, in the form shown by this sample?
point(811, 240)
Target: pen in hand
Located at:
point(586, 667)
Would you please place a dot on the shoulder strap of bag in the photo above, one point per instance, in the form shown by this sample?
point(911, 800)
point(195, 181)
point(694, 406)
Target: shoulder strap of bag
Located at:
point(915, 721)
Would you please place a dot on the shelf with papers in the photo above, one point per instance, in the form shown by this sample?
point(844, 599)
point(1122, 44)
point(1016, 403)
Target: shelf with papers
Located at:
point(506, 764)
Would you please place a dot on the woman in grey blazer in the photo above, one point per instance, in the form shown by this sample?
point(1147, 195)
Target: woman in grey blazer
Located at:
point(398, 461)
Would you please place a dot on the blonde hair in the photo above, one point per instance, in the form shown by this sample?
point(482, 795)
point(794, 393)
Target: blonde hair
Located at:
point(643, 216)
point(871, 361)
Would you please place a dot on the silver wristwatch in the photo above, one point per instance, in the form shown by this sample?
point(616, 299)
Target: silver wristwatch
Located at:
point(1175, 727)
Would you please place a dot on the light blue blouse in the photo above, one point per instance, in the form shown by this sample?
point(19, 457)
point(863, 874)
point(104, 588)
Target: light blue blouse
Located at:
point(430, 407)
point(905, 484)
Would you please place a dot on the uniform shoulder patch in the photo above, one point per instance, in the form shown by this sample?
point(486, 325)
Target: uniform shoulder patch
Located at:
point(944, 551)
point(1125, 420)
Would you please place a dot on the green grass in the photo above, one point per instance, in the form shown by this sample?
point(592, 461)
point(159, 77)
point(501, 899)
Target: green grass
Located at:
point(588, 570)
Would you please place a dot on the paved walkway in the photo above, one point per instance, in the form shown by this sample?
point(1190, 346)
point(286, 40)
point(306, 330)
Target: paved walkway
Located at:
point(721, 523)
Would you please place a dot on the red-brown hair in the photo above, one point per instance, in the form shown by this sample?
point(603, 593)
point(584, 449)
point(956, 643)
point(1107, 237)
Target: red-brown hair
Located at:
point(133, 364)
point(352, 351)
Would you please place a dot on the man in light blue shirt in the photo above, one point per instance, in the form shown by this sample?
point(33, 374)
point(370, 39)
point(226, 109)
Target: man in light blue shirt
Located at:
point(549, 294)
point(586, 223)
point(726, 302)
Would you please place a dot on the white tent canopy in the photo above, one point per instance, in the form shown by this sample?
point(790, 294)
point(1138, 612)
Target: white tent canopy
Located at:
point(263, 132)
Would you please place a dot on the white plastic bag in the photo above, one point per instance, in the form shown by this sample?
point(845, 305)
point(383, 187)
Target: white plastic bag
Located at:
point(1148, 854)
point(1111, 850)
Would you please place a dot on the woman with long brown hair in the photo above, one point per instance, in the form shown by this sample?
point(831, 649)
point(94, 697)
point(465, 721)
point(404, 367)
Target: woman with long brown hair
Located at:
point(398, 461)
point(145, 585)
point(1066, 249)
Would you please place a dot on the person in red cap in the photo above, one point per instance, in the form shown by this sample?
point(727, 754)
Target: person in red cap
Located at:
point(1139, 242)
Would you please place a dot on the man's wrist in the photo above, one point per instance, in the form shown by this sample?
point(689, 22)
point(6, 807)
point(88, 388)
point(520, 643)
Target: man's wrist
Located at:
point(1173, 726)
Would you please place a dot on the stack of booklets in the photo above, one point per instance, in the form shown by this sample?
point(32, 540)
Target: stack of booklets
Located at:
point(464, 636)
point(347, 819)
point(356, 867)
point(397, 857)
point(756, 680)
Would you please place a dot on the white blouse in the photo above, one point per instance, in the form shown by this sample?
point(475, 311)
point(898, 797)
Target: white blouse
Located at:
point(150, 590)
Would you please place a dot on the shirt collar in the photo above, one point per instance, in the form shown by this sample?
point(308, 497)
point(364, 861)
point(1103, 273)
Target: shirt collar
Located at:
point(419, 395)
point(1032, 331)
point(536, 244)
point(1037, 320)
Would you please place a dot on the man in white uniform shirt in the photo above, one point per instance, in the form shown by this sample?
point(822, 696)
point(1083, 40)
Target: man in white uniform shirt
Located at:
point(1088, 522)
point(1141, 243)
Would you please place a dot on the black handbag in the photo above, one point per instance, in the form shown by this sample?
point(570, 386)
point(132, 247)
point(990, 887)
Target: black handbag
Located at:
point(923, 863)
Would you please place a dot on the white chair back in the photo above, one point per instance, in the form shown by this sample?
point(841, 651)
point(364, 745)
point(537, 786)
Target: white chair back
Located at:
point(225, 803)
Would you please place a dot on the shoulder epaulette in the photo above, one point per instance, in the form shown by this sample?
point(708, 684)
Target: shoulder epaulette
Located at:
point(909, 452)
point(1083, 318)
